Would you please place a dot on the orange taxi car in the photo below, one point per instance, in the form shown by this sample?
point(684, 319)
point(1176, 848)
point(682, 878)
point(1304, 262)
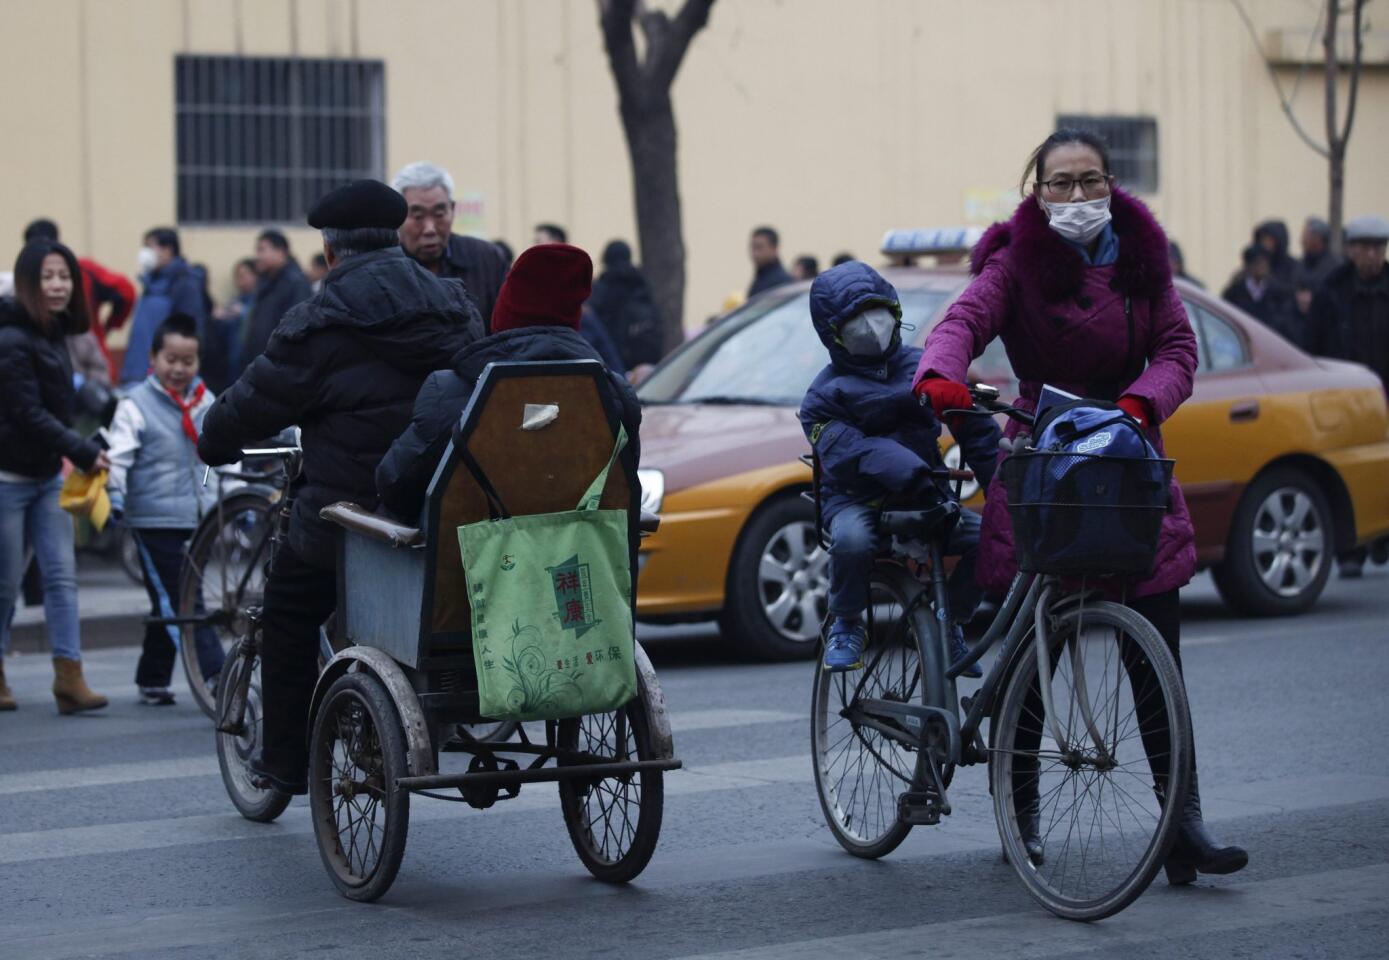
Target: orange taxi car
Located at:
point(1282, 457)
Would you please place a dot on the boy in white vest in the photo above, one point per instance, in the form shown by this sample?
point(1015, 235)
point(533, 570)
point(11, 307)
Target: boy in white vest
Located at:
point(157, 490)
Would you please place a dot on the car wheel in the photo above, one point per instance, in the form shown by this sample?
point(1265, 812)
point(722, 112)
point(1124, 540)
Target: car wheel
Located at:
point(778, 585)
point(1281, 546)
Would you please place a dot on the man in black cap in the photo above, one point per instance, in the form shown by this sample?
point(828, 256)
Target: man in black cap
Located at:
point(344, 366)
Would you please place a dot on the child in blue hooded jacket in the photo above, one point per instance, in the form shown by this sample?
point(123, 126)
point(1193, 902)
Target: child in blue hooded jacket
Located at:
point(874, 440)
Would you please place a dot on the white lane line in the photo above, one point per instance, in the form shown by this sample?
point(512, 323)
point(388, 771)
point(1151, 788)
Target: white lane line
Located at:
point(1155, 918)
point(143, 771)
point(177, 831)
point(1193, 636)
point(1220, 803)
point(108, 774)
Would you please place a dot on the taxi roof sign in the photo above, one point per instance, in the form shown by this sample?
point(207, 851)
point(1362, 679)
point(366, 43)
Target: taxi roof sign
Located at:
point(941, 240)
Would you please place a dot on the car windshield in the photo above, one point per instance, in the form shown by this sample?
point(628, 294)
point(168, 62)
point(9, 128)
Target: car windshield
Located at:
point(766, 353)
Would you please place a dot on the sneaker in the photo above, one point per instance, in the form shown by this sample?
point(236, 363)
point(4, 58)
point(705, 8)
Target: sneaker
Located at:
point(156, 696)
point(958, 650)
point(844, 648)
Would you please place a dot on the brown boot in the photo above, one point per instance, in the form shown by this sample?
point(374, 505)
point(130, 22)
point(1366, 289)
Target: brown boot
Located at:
point(71, 690)
point(6, 697)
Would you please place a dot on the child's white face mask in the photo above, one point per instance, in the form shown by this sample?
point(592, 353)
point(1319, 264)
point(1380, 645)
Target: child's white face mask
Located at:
point(868, 335)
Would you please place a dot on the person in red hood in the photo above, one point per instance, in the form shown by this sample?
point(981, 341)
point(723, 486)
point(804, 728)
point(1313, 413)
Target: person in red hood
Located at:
point(536, 318)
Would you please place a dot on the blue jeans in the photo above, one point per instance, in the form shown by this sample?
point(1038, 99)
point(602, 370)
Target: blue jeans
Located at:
point(854, 544)
point(29, 513)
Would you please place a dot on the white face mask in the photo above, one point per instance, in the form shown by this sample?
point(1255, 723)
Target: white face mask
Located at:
point(1079, 222)
point(868, 335)
point(147, 259)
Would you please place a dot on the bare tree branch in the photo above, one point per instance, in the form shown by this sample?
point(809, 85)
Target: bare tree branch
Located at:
point(1332, 68)
point(1277, 85)
point(1356, 59)
point(616, 19)
point(666, 61)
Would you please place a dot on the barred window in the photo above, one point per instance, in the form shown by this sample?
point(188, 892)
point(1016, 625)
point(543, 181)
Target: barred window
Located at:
point(259, 139)
point(1133, 147)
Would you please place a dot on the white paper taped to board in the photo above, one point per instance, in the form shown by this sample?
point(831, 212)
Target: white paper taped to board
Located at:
point(538, 416)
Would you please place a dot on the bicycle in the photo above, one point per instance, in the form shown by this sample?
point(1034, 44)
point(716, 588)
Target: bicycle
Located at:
point(227, 563)
point(1087, 780)
point(225, 566)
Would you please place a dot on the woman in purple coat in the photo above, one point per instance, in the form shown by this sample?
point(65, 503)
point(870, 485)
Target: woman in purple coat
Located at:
point(1079, 286)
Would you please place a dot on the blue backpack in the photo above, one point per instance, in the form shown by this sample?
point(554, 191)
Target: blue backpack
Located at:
point(1089, 495)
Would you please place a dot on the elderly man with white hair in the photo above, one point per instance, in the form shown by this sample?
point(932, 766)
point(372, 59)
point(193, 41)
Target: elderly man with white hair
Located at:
point(427, 236)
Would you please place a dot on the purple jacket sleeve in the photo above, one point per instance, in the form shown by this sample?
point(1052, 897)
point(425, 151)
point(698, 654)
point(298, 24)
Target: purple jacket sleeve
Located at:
point(1166, 384)
point(970, 325)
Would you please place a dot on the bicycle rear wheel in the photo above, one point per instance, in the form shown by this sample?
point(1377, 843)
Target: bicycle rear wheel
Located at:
point(1106, 812)
point(859, 772)
point(224, 575)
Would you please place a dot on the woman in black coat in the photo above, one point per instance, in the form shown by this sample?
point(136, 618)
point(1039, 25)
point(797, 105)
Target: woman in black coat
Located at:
point(37, 404)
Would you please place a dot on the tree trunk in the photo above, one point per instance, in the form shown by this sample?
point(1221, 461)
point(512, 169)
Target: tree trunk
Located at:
point(1335, 145)
point(651, 144)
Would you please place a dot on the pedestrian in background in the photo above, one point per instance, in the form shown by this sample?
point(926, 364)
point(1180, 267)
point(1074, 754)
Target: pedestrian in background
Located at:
point(36, 414)
point(427, 237)
point(156, 489)
point(280, 285)
point(1272, 235)
point(1178, 262)
point(805, 267)
point(768, 273)
point(549, 233)
point(1317, 262)
point(222, 363)
point(622, 302)
point(171, 286)
point(1260, 294)
point(1350, 321)
point(110, 295)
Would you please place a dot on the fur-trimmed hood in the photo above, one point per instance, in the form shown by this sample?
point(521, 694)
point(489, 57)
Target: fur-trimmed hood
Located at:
point(1042, 261)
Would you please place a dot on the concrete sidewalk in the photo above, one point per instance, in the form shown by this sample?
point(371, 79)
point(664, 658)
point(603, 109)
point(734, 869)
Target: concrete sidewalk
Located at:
point(112, 606)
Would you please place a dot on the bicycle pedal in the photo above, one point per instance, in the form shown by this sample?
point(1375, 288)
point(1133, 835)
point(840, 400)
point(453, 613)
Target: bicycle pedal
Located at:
point(233, 729)
point(919, 808)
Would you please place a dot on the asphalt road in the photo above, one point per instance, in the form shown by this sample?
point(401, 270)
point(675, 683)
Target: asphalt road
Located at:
point(116, 838)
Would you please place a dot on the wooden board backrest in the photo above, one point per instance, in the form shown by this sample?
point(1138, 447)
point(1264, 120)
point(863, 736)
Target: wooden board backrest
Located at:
point(533, 471)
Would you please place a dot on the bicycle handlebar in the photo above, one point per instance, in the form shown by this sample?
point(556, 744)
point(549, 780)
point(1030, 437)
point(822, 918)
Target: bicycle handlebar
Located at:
point(986, 404)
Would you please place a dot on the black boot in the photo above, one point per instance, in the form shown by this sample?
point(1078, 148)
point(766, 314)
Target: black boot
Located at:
point(1196, 851)
point(1026, 803)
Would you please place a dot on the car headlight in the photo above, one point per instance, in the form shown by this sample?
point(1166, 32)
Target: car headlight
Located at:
point(653, 490)
point(954, 461)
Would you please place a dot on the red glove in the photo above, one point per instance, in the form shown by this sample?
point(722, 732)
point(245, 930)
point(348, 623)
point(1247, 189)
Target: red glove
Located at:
point(1137, 408)
point(944, 395)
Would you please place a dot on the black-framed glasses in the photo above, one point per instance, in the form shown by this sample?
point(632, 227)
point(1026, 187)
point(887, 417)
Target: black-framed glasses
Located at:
point(1094, 185)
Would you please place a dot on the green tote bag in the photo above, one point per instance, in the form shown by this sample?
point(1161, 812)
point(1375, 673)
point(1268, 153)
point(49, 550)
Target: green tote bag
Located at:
point(551, 597)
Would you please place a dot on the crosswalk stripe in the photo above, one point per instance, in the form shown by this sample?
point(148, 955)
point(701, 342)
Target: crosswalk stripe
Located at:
point(692, 721)
point(1292, 900)
point(1235, 800)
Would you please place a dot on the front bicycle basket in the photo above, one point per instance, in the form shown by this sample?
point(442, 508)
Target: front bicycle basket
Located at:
point(1086, 514)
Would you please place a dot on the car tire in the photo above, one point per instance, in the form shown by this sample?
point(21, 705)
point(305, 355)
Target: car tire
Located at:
point(768, 616)
point(1281, 547)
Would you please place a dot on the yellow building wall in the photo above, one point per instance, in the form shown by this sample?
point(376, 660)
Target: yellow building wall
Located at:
point(831, 120)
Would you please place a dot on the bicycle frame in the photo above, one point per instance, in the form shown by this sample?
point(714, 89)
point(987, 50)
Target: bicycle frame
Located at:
point(1026, 608)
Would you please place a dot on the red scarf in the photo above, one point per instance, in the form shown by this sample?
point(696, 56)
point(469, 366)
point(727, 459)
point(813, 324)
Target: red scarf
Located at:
point(187, 408)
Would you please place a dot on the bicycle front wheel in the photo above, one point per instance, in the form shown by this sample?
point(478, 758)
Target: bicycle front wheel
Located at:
point(1100, 780)
point(224, 575)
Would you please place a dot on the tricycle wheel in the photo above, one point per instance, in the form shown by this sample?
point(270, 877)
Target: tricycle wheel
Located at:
point(234, 750)
point(614, 823)
point(360, 816)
